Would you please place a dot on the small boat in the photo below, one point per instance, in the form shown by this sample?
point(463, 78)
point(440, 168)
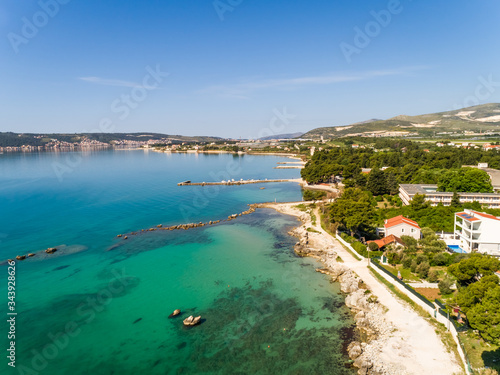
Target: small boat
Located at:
point(175, 313)
point(191, 321)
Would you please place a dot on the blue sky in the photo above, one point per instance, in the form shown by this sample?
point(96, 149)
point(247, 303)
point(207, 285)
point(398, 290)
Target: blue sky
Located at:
point(85, 65)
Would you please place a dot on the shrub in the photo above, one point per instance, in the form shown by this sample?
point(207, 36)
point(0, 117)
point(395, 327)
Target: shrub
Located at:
point(373, 246)
point(393, 257)
point(407, 261)
point(360, 248)
point(433, 276)
point(409, 241)
point(413, 267)
point(421, 258)
point(445, 286)
point(423, 269)
point(310, 195)
point(441, 259)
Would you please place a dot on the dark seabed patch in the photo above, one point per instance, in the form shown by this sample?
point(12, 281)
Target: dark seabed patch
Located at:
point(78, 309)
point(253, 331)
point(148, 241)
point(61, 267)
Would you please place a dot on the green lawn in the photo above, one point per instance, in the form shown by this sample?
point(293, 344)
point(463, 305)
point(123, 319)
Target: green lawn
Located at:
point(405, 273)
point(480, 353)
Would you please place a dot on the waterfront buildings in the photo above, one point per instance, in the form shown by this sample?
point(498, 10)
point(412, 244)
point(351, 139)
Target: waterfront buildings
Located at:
point(478, 231)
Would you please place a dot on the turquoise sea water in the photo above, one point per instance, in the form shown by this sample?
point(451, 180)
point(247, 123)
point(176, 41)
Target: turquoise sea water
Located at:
point(101, 304)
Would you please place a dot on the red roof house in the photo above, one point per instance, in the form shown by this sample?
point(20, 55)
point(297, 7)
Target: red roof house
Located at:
point(402, 226)
point(387, 241)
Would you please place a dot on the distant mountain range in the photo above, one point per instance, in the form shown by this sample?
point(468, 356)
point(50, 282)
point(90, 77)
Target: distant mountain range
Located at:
point(482, 118)
point(282, 136)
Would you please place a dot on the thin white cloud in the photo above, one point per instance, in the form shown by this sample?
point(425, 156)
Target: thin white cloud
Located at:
point(109, 82)
point(242, 90)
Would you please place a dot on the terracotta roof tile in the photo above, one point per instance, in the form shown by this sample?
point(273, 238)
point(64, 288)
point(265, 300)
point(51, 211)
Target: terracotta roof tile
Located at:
point(387, 240)
point(400, 220)
point(486, 215)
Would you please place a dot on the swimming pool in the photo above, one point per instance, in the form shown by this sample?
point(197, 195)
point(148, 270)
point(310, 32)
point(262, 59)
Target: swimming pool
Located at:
point(456, 249)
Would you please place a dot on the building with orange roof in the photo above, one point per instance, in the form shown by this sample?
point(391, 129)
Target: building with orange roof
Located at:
point(402, 226)
point(392, 239)
point(478, 231)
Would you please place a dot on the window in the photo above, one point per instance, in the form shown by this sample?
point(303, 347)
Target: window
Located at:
point(413, 230)
point(402, 230)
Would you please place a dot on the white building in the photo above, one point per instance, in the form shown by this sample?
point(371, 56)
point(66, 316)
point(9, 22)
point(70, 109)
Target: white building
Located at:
point(408, 191)
point(402, 226)
point(478, 231)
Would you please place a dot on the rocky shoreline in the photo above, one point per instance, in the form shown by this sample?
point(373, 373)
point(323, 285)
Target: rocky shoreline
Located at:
point(363, 303)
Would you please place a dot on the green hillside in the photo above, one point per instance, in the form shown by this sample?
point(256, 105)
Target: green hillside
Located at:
point(482, 118)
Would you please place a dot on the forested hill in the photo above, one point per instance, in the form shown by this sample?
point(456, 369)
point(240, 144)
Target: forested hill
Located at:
point(481, 119)
point(402, 162)
point(9, 139)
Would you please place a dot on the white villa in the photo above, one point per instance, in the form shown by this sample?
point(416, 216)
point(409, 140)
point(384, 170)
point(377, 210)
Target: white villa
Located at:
point(401, 226)
point(478, 231)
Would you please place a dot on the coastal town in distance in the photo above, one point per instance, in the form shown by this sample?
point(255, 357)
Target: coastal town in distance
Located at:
point(236, 187)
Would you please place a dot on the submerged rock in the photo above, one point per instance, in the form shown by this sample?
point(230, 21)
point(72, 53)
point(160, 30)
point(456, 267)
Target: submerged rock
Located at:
point(354, 350)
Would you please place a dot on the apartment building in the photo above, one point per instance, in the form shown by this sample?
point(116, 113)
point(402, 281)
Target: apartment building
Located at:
point(408, 191)
point(478, 231)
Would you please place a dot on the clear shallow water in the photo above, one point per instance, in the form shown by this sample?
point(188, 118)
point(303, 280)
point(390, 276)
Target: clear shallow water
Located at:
point(104, 310)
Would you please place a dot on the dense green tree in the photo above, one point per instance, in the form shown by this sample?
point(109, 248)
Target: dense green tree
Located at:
point(351, 170)
point(353, 210)
point(423, 269)
point(313, 195)
point(433, 276)
point(407, 260)
point(485, 316)
point(409, 241)
point(441, 259)
point(465, 180)
point(391, 182)
point(455, 200)
point(474, 267)
point(474, 293)
point(376, 183)
point(430, 241)
point(445, 286)
point(419, 203)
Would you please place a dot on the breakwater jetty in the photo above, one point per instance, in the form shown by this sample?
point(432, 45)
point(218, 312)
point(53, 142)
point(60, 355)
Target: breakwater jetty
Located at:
point(236, 182)
point(160, 227)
